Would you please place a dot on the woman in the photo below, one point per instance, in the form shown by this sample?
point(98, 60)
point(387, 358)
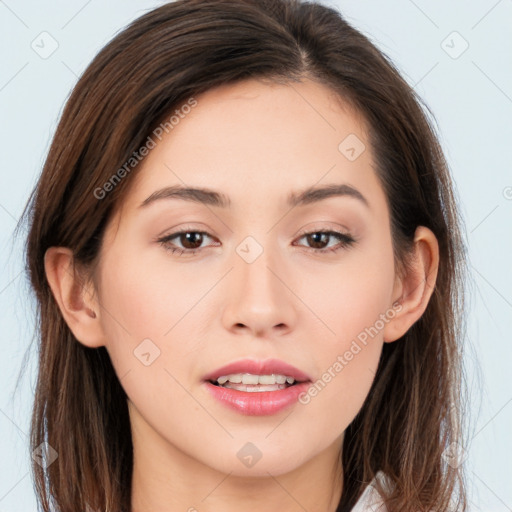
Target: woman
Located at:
point(248, 263)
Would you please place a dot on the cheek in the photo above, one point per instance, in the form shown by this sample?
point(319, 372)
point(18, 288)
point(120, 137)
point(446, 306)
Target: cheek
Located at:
point(353, 306)
point(155, 316)
point(347, 360)
point(148, 298)
point(148, 339)
point(350, 297)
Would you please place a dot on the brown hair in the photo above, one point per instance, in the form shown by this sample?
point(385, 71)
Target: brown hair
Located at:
point(413, 411)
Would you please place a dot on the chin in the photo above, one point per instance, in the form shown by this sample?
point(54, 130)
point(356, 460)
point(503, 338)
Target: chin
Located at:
point(251, 462)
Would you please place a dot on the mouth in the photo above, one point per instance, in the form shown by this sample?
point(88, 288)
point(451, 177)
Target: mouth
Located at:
point(251, 375)
point(257, 399)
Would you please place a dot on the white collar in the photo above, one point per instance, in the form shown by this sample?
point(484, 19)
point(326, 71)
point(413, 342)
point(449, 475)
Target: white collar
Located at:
point(371, 500)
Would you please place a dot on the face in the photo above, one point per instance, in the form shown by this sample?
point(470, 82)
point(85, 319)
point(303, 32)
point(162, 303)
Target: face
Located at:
point(255, 279)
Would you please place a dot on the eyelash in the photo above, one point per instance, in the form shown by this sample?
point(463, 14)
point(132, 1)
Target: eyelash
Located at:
point(345, 241)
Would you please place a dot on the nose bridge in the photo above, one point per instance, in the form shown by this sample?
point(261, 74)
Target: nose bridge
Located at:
point(258, 297)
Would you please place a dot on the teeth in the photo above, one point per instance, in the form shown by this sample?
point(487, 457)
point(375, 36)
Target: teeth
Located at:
point(254, 388)
point(248, 378)
point(222, 380)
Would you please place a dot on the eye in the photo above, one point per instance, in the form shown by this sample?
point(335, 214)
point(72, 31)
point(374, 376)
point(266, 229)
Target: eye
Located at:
point(190, 241)
point(323, 237)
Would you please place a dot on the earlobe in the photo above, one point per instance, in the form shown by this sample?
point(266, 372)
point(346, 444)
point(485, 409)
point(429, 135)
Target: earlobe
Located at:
point(76, 299)
point(415, 288)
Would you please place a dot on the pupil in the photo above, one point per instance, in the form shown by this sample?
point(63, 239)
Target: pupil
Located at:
point(189, 237)
point(316, 242)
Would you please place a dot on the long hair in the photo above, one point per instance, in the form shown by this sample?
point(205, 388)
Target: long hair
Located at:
point(411, 421)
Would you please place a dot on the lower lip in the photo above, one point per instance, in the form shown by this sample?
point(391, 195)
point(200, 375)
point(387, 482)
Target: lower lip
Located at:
point(257, 403)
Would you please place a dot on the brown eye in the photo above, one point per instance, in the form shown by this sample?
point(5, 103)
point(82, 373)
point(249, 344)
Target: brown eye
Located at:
point(318, 241)
point(191, 239)
point(184, 242)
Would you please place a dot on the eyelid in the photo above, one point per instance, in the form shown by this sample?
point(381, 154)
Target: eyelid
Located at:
point(314, 227)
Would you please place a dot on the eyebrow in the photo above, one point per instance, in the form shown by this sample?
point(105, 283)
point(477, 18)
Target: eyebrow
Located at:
point(212, 198)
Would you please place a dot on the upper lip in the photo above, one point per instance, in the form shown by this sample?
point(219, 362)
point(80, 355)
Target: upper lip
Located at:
point(267, 367)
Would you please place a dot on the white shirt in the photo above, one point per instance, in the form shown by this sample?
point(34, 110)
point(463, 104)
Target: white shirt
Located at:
point(371, 500)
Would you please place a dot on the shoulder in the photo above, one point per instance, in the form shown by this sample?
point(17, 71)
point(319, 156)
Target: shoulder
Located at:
point(371, 500)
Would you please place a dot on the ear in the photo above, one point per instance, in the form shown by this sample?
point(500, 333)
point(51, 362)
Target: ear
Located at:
point(75, 298)
point(414, 289)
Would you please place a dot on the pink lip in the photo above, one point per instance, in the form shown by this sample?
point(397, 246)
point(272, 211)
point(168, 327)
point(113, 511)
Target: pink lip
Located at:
point(257, 403)
point(267, 367)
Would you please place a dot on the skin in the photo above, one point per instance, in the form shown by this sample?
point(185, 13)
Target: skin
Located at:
point(255, 142)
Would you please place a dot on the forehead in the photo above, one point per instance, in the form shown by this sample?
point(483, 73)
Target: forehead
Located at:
point(255, 140)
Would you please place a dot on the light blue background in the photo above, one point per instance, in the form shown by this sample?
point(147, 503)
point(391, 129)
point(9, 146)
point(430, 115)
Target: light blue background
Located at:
point(471, 97)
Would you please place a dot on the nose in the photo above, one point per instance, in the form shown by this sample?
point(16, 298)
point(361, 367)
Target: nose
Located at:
point(260, 298)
